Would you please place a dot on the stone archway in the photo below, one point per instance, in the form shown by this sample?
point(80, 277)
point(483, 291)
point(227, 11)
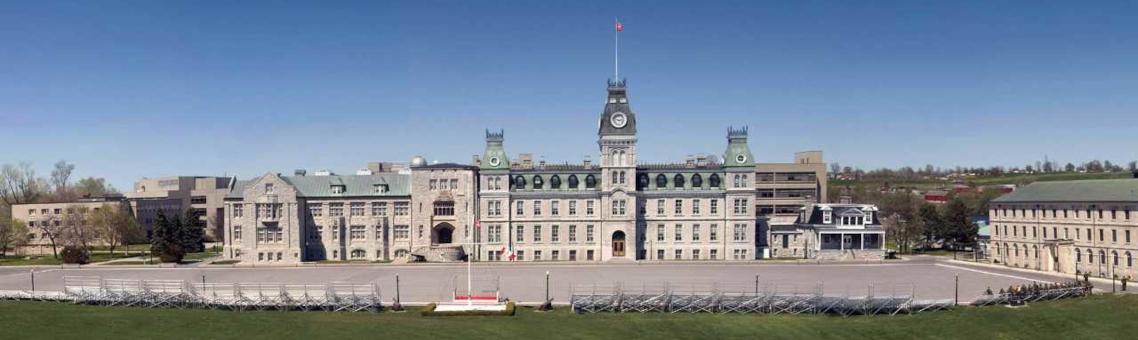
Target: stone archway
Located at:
point(618, 244)
point(442, 233)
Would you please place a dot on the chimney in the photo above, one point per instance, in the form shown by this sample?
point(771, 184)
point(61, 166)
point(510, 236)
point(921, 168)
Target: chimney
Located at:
point(477, 161)
point(300, 172)
point(587, 162)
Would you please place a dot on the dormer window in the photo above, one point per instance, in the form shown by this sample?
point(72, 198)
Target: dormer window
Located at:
point(623, 100)
point(827, 217)
point(612, 100)
point(268, 188)
point(338, 189)
point(380, 188)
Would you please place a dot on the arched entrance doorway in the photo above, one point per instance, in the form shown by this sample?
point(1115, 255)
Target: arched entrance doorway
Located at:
point(618, 243)
point(442, 233)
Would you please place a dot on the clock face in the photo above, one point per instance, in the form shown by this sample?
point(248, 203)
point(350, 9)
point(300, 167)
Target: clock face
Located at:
point(741, 158)
point(618, 120)
point(494, 161)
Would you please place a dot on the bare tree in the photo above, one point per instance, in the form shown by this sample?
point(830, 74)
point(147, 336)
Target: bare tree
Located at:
point(51, 228)
point(94, 187)
point(114, 226)
point(19, 184)
point(61, 177)
point(76, 231)
point(13, 233)
point(835, 168)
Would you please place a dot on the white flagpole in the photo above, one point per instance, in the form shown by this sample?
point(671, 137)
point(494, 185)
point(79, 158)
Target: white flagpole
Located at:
point(616, 52)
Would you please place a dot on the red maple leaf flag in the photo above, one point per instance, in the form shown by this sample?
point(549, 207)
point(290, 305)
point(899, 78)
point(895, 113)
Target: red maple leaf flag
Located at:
point(619, 26)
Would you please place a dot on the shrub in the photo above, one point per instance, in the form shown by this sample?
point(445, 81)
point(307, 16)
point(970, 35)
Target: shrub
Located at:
point(75, 255)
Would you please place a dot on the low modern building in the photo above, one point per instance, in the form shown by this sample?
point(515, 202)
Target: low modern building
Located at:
point(47, 220)
point(1068, 227)
point(833, 231)
point(172, 196)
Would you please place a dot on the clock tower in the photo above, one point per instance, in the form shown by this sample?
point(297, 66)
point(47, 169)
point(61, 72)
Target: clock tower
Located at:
point(616, 137)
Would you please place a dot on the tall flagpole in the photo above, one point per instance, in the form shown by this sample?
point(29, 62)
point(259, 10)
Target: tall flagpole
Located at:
point(616, 52)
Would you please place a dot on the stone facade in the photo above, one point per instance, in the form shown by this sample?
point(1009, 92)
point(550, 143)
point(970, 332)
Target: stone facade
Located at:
point(1068, 227)
point(47, 220)
point(204, 196)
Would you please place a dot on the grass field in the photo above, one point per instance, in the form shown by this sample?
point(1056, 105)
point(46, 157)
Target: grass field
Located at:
point(1018, 179)
point(1098, 317)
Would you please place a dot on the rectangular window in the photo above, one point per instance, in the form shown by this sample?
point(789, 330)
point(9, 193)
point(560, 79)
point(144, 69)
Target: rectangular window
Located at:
point(679, 207)
point(572, 233)
point(238, 210)
point(740, 232)
point(679, 232)
point(573, 208)
point(714, 232)
point(714, 206)
point(336, 209)
point(519, 234)
point(660, 207)
point(537, 208)
point(589, 207)
point(237, 233)
point(356, 232)
point(402, 232)
point(555, 255)
point(402, 208)
point(379, 208)
point(589, 255)
point(572, 255)
point(357, 208)
point(589, 233)
point(679, 254)
point(695, 254)
point(520, 209)
point(555, 233)
point(537, 255)
point(537, 233)
point(714, 254)
point(660, 232)
point(1127, 236)
point(554, 207)
point(659, 254)
point(695, 232)
point(521, 255)
point(695, 207)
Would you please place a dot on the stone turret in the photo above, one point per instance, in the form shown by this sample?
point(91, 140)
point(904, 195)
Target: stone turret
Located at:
point(738, 152)
point(495, 156)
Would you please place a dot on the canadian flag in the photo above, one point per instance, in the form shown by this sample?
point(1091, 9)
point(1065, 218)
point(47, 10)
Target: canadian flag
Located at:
point(508, 254)
point(619, 26)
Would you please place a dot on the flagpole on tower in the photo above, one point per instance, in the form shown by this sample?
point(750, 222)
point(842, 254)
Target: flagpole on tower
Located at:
point(616, 51)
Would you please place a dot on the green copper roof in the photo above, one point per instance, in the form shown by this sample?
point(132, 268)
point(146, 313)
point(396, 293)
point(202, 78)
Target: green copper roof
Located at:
point(495, 156)
point(1099, 190)
point(738, 153)
point(354, 185)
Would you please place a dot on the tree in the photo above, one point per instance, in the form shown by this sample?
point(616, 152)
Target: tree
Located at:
point(94, 187)
point(1070, 167)
point(51, 227)
point(958, 226)
point(13, 233)
point(165, 239)
point(193, 231)
point(835, 168)
point(60, 178)
point(76, 231)
point(19, 184)
point(115, 226)
point(930, 224)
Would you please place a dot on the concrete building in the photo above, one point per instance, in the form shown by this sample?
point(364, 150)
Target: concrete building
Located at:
point(782, 190)
point(48, 220)
point(174, 195)
point(1068, 227)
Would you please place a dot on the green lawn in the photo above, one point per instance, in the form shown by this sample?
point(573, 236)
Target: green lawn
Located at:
point(48, 260)
point(1099, 317)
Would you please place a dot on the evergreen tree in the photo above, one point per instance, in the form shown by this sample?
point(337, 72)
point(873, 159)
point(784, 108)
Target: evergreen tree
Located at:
point(959, 229)
point(192, 233)
point(930, 224)
point(165, 240)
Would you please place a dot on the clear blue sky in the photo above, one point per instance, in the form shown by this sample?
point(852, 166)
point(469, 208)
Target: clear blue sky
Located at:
point(157, 88)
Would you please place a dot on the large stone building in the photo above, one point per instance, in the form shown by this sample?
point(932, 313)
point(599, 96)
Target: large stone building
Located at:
point(203, 196)
point(48, 221)
point(1068, 227)
point(500, 209)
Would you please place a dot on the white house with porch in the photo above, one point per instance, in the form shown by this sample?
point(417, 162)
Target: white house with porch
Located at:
point(840, 231)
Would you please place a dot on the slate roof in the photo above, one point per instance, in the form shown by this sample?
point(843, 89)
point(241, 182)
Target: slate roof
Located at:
point(815, 214)
point(446, 166)
point(1099, 190)
point(354, 185)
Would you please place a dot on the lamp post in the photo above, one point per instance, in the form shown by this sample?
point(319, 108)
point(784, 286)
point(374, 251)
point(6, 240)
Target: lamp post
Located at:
point(548, 304)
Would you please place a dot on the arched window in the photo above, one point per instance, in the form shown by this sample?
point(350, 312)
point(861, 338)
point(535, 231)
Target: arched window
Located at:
point(1078, 255)
point(520, 182)
point(1101, 256)
point(1129, 260)
point(358, 254)
point(1114, 258)
point(661, 181)
point(713, 180)
point(537, 182)
point(555, 182)
point(696, 181)
point(678, 180)
point(1015, 247)
point(1090, 256)
point(573, 181)
point(641, 181)
point(590, 182)
point(401, 253)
